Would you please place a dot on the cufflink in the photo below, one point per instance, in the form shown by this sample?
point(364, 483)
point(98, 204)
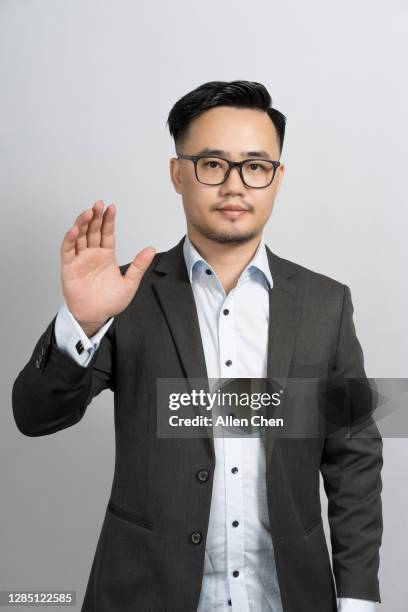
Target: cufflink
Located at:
point(79, 347)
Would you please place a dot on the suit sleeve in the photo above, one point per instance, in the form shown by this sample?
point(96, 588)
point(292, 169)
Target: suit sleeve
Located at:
point(53, 390)
point(351, 470)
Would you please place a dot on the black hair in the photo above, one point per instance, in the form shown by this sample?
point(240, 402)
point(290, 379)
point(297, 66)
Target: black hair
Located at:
point(239, 94)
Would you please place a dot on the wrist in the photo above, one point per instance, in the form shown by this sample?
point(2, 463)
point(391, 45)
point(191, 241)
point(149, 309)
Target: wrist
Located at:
point(90, 329)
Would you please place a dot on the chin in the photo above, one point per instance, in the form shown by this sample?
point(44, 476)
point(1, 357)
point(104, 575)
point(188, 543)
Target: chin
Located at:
point(224, 235)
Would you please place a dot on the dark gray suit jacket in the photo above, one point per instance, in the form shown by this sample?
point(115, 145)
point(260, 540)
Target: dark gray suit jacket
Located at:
point(147, 557)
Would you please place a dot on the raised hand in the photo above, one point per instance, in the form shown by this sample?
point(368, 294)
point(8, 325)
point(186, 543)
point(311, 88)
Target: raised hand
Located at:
point(93, 286)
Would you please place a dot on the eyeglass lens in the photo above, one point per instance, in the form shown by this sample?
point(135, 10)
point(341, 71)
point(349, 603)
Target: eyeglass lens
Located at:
point(256, 173)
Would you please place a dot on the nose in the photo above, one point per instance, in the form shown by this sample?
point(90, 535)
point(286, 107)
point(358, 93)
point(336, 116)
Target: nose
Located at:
point(233, 183)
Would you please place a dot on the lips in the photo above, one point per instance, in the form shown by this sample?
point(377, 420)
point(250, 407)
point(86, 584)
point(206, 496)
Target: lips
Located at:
point(232, 212)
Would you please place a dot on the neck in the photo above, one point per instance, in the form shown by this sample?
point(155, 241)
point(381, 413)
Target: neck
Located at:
point(227, 260)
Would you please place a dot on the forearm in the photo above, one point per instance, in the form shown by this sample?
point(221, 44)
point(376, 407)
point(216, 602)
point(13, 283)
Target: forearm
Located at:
point(50, 392)
point(54, 389)
point(351, 470)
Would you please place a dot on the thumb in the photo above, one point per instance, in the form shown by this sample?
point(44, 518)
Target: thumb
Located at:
point(139, 265)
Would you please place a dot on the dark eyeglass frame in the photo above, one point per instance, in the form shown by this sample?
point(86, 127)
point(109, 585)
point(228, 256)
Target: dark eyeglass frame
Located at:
point(231, 164)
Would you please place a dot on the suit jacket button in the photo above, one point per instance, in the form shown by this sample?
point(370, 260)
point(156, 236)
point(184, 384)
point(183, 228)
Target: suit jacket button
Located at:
point(196, 537)
point(202, 475)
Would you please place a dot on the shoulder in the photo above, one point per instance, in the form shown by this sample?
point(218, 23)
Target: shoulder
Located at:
point(163, 261)
point(304, 274)
point(313, 285)
point(123, 268)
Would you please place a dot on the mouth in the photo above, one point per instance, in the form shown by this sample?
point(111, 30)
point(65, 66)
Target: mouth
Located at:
point(232, 212)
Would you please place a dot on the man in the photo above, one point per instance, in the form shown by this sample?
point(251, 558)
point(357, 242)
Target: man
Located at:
point(211, 523)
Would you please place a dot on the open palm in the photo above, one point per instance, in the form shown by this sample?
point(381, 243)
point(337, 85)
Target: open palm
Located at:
point(92, 283)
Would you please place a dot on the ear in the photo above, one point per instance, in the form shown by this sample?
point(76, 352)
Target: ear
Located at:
point(279, 175)
point(175, 173)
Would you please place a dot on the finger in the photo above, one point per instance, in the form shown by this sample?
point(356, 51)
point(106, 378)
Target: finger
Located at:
point(82, 222)
point(93, 234)
point(68, 246)
point(139, 265)
point(108, 228)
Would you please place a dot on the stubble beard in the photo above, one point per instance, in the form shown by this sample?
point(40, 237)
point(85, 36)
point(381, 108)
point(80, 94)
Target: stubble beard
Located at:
point(233, 236)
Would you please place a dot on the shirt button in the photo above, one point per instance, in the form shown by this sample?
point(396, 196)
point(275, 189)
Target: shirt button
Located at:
point(202, 475)
point(234, 470)
point(196, 537)
point(235, 573)
point(229, 602)
point(235, 523)
point(225, 311)
point(208, 271)
point(228, 362)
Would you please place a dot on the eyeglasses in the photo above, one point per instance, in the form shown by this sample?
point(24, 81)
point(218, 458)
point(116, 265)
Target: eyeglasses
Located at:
point(254, 173)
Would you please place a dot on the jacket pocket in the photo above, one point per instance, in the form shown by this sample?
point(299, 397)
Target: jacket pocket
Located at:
point(130, 518)
point(313, 526)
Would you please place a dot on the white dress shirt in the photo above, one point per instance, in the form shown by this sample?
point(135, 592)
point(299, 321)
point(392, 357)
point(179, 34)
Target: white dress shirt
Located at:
point(239, 567)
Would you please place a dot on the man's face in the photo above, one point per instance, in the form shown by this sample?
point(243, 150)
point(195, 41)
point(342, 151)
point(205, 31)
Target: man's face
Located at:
point(235, 131)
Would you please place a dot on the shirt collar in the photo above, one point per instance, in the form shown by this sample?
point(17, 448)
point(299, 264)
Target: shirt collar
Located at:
point(258, 262)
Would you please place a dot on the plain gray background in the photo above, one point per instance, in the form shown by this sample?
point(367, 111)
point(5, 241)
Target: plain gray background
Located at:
point(86, 91)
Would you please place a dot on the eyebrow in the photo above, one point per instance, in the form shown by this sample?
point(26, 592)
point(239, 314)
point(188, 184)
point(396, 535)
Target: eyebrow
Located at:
point(209, 151)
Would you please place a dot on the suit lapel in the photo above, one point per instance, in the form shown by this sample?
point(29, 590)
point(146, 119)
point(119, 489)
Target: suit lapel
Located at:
point(176, 297)
point(284, 312)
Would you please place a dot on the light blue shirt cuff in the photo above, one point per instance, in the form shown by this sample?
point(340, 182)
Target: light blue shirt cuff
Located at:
point(68, 332)
point(349, 604)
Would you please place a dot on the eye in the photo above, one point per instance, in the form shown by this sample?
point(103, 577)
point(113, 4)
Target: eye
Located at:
point(212, 161)
point(258, 167)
